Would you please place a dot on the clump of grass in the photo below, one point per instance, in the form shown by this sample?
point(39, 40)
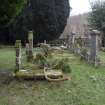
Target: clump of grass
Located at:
point(62, 64)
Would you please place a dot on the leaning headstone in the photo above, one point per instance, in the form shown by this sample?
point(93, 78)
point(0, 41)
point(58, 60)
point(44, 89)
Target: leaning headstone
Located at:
point(30, 39)
point(18, 54)
point(94, 46)
point(69, 41)
point(73, 39)
point(73, 36)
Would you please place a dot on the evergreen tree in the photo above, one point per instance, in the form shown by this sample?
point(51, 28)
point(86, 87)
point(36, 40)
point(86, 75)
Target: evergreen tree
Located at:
point(9, 9)
point(97, 17)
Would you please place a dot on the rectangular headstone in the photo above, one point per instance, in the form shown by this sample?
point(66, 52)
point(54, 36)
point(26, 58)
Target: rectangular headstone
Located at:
point(93, 46)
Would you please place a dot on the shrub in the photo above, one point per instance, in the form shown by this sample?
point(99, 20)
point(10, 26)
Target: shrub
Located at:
point(78, 42)
point(46, 49)
point(40, 60)
point(62, 64)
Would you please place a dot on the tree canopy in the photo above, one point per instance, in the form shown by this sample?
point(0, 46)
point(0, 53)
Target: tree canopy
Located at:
point(9, 9)
point(97, 17)
point(47, 18)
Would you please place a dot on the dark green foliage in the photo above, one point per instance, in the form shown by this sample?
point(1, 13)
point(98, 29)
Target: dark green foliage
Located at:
point(62, 64)
point(97, 17)
point(9, 9)
point(47, 18)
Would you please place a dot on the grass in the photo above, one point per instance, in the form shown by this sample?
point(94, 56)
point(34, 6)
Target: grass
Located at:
point(7, 58)
point(82, 89)
point(102, 56)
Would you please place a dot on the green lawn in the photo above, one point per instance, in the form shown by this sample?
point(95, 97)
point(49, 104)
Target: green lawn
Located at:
point(102, 56)
point(82, 89)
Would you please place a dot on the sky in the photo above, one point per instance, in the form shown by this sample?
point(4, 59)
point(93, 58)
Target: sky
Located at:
point(80, 6)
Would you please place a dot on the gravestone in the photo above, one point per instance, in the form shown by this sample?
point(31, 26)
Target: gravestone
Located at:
point(27, 48)
point(68, 41)
point(73, 36)
point(18, 55)
point(30, 39)
point(71, 40)
point(94, 45)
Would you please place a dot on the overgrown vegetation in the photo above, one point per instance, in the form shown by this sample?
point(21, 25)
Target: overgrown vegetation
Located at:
point(40, 60)
point(62, 64)
point(86, 87)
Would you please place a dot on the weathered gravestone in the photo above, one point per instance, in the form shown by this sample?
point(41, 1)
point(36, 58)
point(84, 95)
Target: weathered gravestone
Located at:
point(94, 47)
point(18, 55)
point(71, 41)
point(30, 39)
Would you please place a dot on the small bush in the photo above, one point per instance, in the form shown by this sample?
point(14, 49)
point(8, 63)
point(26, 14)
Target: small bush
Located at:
point(40, 60)
point(46, 49)
point(62, 64)
point(78, 42)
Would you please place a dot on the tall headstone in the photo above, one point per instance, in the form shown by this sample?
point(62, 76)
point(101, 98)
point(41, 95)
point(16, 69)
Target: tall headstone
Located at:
point(30, 39)
point(70, 41)
point(18, 55)
point(94, 45)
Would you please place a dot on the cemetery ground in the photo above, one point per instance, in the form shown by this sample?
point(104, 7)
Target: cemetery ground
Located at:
point(86, 87)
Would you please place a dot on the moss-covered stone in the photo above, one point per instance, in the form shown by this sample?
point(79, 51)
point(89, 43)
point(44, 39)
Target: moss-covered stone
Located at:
point(18, 44)
point(30, 74)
